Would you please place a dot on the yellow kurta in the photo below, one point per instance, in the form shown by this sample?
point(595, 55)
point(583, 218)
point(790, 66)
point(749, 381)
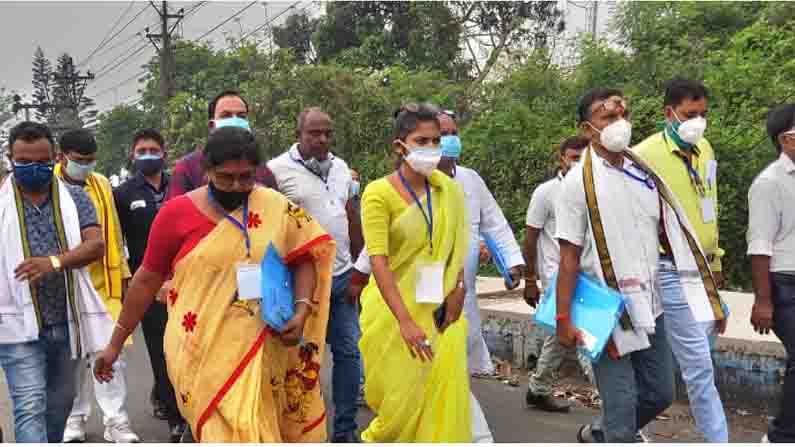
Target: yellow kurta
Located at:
point(234, 379)
point(414, 401)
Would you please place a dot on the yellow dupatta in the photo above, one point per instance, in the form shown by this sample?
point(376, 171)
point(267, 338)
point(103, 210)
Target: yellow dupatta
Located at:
point(107, 274)
point(235, 380)
point(415, 401)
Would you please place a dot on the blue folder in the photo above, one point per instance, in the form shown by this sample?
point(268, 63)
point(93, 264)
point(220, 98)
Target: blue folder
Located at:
point(499, 260)
point(278, 303)
point(595, 311)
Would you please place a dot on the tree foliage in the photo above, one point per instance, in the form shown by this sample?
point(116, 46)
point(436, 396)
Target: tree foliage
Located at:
point(362, 59)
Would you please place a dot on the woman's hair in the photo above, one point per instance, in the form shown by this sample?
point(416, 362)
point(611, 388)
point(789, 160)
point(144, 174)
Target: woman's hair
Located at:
point(230, 143)
point(410, 115)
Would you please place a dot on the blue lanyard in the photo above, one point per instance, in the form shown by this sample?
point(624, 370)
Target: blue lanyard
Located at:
point(694, 177)
point(648, 182)
point(242, 226)
point(428, 217)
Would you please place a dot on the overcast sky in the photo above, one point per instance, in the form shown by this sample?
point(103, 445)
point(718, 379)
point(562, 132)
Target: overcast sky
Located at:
point(78, 27)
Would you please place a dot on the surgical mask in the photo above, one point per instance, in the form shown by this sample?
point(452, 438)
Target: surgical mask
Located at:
point(228, 200)
point(355, 188)
point(690, 131)
point(616, 136)
point(319, 167)
point(423, 160)
point(78, 171)
point(232, 122)
point(451, 146)
point(34, 177)
point(148, 164)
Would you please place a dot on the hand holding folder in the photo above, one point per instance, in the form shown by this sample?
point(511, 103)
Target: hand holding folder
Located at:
point(595, 310)
point(278, 298)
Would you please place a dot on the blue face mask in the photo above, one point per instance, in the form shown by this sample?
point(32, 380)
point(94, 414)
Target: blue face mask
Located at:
point(451, 146)
point(232, 122)
point(355, 188)
point(35, 177)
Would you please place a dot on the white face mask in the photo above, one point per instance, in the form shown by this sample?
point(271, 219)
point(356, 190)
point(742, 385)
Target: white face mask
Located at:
point(692, 130)
point(616, 136)
point(79, 172)
point(423, 160)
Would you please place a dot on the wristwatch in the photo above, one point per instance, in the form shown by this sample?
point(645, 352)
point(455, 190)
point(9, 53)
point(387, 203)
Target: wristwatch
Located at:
point(56, 264)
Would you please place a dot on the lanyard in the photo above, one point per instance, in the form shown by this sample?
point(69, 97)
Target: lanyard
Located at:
point(428, 217)
point(695, 179)
point(242, 226)
point(647, 181)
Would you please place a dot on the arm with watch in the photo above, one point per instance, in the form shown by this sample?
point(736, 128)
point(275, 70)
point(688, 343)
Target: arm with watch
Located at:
point(90, 250)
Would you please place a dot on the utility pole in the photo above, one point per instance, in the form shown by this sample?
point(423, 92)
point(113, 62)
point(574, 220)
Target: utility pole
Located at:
point(594, 17)
point(19, 105)
point(76, 85)
point(165, 50)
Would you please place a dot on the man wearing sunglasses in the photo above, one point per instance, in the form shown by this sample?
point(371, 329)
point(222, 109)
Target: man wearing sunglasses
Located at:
point(684, 159)
point(613, 215)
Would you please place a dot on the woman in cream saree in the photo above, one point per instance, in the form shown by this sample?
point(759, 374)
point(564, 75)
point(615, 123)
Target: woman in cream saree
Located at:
point(416, 378)
point(236, 379)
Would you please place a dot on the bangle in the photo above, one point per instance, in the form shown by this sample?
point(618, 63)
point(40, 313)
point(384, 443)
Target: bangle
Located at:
point(306, 301)
point(561, 317)
point(124, 329)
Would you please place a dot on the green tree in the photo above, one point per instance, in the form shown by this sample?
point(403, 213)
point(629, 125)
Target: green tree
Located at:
point(42, 78)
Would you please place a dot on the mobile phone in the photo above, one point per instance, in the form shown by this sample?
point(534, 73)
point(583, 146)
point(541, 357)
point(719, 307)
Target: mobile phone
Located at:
point(439, 315)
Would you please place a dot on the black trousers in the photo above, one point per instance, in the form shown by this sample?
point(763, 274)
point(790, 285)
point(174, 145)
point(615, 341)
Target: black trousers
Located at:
point(154, 327)
point(782, 428)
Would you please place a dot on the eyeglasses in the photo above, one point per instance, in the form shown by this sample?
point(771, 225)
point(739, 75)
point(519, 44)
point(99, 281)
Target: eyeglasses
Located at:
point(449, 113)
point(611, 105)
point(410, 107)
point(227, 181)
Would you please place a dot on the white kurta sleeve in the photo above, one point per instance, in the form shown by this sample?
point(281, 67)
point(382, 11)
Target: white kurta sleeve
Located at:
point(494, 224)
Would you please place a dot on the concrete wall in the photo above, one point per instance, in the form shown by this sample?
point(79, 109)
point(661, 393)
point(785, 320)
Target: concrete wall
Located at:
point(748, 372)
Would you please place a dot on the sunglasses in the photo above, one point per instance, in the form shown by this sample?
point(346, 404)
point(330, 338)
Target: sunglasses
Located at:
point(611, 105)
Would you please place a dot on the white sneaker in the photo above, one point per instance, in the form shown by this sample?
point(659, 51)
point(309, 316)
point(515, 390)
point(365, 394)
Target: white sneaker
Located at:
point(765, 440)
point(121, 433)
point(75, 430)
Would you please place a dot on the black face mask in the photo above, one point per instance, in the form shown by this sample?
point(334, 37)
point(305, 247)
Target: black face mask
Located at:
point(229, 200)
point(148, 166)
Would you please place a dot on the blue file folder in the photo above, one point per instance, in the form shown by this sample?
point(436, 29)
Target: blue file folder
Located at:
point(499, 260)
point(595, 311)
point(278, 304)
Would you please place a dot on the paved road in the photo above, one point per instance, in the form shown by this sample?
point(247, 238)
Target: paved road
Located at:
point(502, 404)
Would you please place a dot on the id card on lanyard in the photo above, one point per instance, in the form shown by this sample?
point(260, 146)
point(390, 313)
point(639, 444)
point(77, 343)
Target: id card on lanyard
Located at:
point(248, 274)
point(429, 280)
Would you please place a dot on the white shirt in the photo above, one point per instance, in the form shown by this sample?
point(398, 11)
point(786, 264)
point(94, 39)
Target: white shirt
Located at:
point(640, 217)
point(541, 216)
point(771, 210)
point(323, 200)
point(485, 216)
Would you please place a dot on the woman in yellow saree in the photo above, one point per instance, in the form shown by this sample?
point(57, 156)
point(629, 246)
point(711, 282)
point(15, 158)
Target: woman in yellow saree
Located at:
point(416, 378)
point(236, 379)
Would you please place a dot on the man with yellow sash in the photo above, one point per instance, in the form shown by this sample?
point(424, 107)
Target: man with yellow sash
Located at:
point(613, 214)
point(684, 159)
point(109, 276)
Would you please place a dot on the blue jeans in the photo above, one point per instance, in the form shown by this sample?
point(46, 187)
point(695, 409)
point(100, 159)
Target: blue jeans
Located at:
point(41, 382)
point(690, 344)
point(343, 335)
point(634, 389)
point(782, 429)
